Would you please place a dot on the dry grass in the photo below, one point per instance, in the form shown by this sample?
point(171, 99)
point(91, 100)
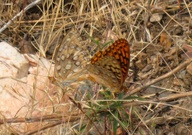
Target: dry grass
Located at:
point(155, 104)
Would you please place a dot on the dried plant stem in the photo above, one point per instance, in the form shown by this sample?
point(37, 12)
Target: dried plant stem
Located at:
point(176, 96)
point(67, 117)
point(43, 128)
point(19, 14)
point(184, 64)
point(56, 120)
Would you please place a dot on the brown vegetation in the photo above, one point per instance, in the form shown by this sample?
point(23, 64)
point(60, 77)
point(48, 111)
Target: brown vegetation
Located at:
point(159, 79)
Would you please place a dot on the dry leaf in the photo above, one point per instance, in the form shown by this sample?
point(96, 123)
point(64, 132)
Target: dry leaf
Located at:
point(189, 69)
point(156, 17)
point(165, 41)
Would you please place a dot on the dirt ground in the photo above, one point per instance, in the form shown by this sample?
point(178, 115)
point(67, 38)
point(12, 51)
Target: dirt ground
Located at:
point(159, 80)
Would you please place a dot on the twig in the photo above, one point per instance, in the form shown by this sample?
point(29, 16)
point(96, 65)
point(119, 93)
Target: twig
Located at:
point(184, 64)
point(19, 14)
point(175, 96)
point(42, 118)
point(49, 125)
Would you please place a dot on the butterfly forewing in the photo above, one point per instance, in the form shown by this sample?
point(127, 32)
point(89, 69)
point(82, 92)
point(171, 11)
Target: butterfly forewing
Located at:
point(119, 50)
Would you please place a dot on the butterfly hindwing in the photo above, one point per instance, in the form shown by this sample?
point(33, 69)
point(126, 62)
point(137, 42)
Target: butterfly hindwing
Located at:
point(120, 50)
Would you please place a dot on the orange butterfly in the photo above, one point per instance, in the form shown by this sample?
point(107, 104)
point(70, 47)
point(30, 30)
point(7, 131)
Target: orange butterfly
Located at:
point(111, 65)
point(108, 67)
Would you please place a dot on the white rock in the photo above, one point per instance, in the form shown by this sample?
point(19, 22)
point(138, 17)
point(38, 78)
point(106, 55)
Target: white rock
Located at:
point(12, 62)
point(26, 89)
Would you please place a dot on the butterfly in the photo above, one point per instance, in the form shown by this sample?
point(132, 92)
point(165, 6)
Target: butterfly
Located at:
point(108, 67)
